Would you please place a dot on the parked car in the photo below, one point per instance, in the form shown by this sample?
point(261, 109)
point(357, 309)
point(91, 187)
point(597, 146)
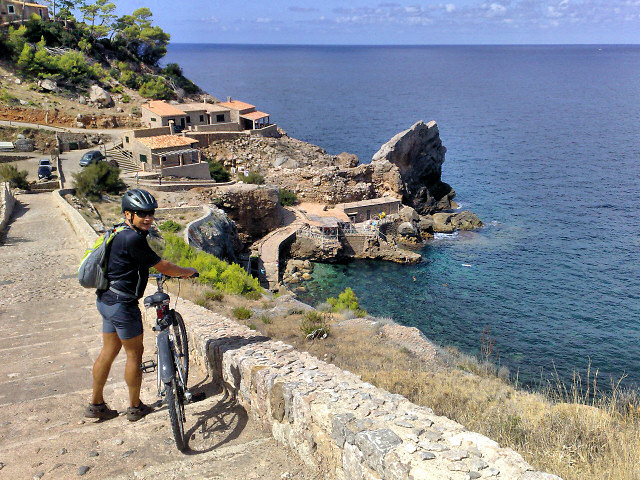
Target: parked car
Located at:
point(44, 172)
point(93, 156)
point(45, 162)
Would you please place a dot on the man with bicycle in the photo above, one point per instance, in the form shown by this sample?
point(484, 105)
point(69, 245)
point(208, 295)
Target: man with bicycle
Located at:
point(128, 266)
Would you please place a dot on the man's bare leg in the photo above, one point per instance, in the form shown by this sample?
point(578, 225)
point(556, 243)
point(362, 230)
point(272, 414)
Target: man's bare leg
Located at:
point(132, 373)
point(111, 346)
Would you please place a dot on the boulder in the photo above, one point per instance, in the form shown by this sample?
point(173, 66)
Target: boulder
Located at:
point(255, 209)
point(99, 95)
point(442, 222)
point(466, 221)
point(347, 160)
point(425, 226)
point(406, 229)
point(24, 145)
point(82, 100)
point(48, 85)
point(410, 164)
point(408, 214)
point(217, 235)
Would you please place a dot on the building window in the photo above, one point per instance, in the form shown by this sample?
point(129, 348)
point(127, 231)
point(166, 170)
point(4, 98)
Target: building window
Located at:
point(188, 119)
point(11, 9)
point(126, 139)
point(143, 158)
point(202, 118)
point(220, 117)
point(368, 214)
point(40, 12)
point(153, 119)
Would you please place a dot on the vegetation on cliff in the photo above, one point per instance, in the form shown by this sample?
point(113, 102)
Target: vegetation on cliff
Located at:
point(98, 48)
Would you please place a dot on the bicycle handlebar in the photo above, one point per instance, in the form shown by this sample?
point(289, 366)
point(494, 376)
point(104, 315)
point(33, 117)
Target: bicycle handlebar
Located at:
point(162, 275)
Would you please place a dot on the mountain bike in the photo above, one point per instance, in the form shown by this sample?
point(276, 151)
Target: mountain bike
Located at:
point(172, 361)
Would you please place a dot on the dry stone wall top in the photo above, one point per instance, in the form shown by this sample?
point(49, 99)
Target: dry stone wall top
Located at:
point(336, 422)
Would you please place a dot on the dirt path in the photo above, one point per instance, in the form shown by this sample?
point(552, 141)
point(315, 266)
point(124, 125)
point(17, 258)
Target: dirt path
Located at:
point(52, 336)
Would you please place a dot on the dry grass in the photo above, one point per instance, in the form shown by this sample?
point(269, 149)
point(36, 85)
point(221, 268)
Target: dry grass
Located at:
point(567, 431)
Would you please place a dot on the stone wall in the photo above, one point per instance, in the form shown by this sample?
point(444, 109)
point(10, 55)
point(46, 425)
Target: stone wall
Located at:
point(335, 422)
point(85, 233)
point(346, 428)
point(7, 202)
point(207, 138)
point(190, 170)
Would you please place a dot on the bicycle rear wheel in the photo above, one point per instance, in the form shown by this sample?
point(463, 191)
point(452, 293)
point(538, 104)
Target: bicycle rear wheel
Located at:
point(179, 332)
point(175, 406)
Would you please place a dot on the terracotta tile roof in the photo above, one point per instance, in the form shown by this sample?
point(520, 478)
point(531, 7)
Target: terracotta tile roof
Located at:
point(162, 108)
point(26, 4)
point(237, 105)
point(164, 141)
point(254, 115)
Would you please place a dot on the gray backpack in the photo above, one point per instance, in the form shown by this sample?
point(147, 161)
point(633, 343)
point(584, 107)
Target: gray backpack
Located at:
point(92, 272)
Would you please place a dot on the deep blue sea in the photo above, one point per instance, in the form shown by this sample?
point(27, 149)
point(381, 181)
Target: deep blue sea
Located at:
point(543, 145)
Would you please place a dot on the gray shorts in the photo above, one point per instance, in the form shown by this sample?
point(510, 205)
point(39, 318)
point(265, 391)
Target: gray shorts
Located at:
point(123, 318)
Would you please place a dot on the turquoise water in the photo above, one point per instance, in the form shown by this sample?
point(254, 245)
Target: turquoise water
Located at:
point(543, 145)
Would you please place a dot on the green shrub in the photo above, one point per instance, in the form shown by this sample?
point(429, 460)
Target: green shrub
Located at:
point(287, 197)
point(267, 320)
point(216, 273)
point(254, 178)
point(242, 313)
point(7, 99)
point(117, 89)
point(170, 226)
point(252, 326)
point(253, 295)
point(347, 300)
point(96, 179)
point(156, 89)
point(217, 171)
point(17, 179)
point(214, 295)
point(125, 98)
point(314, 323)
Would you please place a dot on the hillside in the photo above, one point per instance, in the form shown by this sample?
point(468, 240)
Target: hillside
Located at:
point(104, 67)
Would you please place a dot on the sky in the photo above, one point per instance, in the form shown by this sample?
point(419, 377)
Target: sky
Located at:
point(368, 22)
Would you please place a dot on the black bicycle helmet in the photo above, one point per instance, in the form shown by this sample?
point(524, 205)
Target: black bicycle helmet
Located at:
point(138, 200)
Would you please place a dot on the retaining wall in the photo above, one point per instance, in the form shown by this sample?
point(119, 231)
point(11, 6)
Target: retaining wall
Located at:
point(84, 231)
point(346, 428)
point(7, 202)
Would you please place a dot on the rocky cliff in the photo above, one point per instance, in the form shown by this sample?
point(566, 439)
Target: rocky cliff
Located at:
point(409, 166)
point(255, 209)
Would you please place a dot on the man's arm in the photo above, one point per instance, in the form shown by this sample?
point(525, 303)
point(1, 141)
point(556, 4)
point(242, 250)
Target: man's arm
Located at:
point(174, 270)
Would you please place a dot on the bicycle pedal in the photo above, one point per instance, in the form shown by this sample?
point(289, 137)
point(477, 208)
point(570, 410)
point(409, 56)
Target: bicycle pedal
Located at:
point(188, 396)
point(149, 366)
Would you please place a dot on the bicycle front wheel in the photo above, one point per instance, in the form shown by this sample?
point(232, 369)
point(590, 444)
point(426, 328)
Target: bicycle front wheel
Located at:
point(181, 342)
point(175, 406)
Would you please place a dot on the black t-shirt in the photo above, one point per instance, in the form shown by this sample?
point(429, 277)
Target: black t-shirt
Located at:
point(129, 261)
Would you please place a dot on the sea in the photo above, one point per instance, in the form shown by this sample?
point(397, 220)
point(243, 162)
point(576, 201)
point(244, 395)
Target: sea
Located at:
point(543, 144)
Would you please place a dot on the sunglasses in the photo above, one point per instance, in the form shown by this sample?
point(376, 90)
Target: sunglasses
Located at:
point(149, 213)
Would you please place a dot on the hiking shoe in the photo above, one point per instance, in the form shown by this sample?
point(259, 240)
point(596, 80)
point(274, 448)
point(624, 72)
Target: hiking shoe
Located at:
point(136, 413)
point(101, 411)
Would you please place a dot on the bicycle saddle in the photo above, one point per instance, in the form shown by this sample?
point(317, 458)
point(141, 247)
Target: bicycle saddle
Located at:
point(158, 298)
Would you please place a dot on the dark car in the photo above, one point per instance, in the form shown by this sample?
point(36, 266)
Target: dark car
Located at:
point(44, 172)
point(94, 156)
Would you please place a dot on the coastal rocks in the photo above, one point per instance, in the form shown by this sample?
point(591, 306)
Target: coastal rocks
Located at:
point(347, 160)
point(255, 209)
point(215, 234)
point(297, 271)
point(450, 222)
point(100, 96)
point(313, 249)
point(410, 164)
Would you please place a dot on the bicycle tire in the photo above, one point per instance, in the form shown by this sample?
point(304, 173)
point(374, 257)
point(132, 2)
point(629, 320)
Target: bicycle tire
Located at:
point(176, 413)
point(181, 342)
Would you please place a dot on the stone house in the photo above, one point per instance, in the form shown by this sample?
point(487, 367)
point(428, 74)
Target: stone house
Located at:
point(368, 209)
point(246, 115)
point(12, 11)
point(158, 150)
point(158, 113)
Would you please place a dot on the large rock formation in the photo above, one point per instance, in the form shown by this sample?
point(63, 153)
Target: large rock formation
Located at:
point(410, 164)
point(215, 234)
point(255, 209)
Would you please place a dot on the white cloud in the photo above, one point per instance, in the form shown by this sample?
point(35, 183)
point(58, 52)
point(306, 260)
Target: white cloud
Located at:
point(450, 7)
